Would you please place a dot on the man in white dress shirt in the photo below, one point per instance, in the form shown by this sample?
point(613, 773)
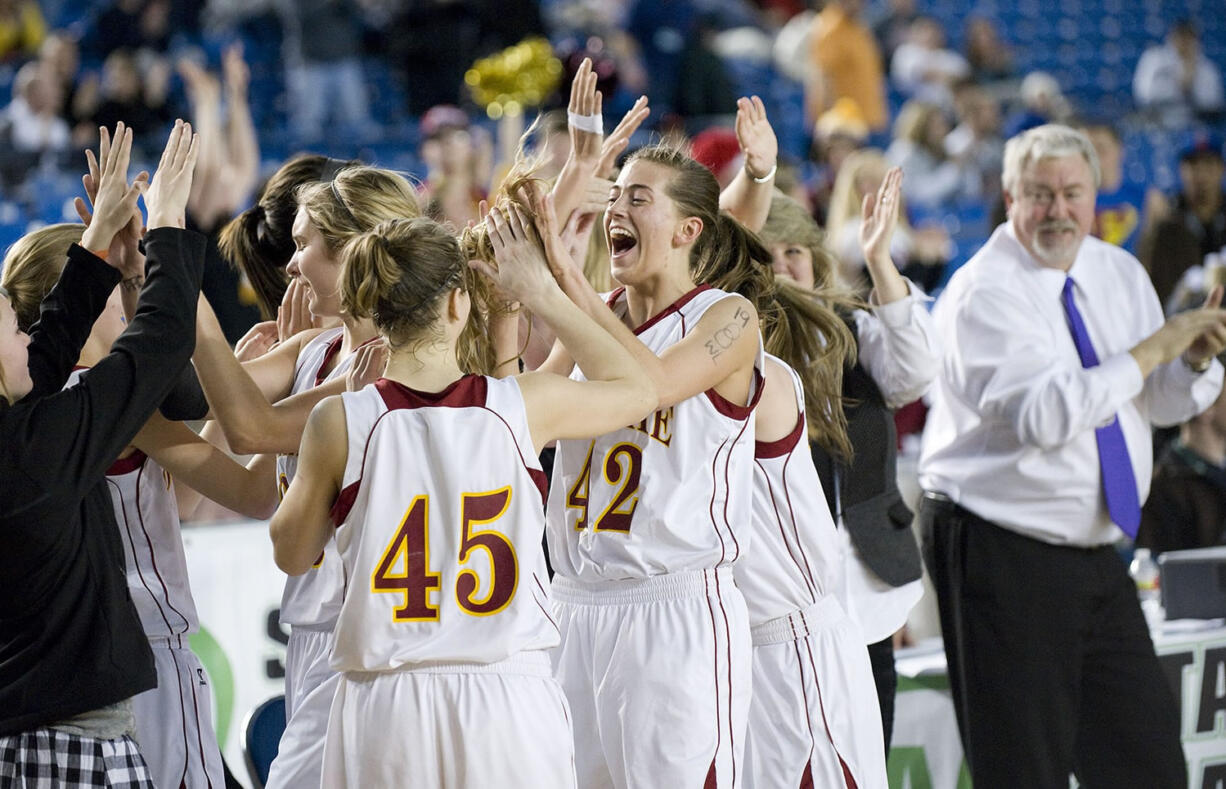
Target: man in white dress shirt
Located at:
point(1037, 453)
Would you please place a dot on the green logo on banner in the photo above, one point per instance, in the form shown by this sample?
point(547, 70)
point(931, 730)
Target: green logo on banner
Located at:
point(214, 660)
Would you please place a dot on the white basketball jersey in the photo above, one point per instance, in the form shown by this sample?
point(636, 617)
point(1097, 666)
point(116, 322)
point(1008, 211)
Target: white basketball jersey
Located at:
point(671, 493)
point(313, 599)
point(147, 513)
point(439, 528)
point(795, 558)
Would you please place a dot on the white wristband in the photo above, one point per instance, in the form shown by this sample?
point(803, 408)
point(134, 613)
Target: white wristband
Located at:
point(766, 178)
point(593, 124)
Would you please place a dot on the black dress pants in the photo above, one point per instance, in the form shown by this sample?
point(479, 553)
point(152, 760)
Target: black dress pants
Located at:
point(1051, 665)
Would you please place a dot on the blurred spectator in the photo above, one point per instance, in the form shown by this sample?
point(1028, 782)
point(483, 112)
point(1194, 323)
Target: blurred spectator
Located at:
point(132, 25)
point(839, 132)
point(458, 159)
point(323, 72)
point(932, 179)
point(923, 68)
point(125, 96)
point(432, 43)
point(227, 167)
point(703, 87)
point(662, 28)
point(1120, 210)
point(32, 123)
point(846, 64)
point(718, 150)
point(1187, 500)
point(892, 27)
point(1042, 102)
point(60, 58)
point(976, 140)
point(1196, 224)
point(989, 58)
point(21, 28)
point(920, 255)
point(1176, 77)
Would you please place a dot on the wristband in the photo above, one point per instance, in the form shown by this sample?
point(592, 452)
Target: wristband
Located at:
point(593, 124)
point(1200, 366)
point(100, 254)
point(766, 178)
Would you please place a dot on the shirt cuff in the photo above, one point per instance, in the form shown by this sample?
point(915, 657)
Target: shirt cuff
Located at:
point(1123, 374)
point(897, 314)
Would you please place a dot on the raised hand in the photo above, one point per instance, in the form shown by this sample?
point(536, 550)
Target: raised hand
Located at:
point(294, 314)
point(756, 137)
point(585, 100)
point(1213, 340)
point(235, 70)
point(124, 251)
point(114, 199)
point(166, 197)
point(259, 340)
point(369, 363)
point(619, 138)
point(879, 217)
point(521, 268)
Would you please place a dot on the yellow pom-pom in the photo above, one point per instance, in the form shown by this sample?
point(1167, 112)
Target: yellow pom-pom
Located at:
point(520, 76)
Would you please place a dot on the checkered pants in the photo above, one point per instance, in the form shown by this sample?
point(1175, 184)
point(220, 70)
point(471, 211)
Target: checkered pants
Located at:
point(51, 759)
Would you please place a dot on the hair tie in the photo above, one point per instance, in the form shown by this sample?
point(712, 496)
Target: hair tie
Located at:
point(593, 124)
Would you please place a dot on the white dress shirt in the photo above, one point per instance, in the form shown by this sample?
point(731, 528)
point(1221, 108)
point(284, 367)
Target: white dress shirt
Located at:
point(900, 350)
point(899, 346)
point(1010, 435)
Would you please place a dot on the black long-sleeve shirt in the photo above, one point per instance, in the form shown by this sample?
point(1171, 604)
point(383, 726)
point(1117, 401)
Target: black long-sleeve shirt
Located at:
point(70, 639)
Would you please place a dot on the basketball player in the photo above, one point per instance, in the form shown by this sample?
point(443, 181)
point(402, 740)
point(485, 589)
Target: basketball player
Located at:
point(445, 619)
point(645, 522)
point(295, 376)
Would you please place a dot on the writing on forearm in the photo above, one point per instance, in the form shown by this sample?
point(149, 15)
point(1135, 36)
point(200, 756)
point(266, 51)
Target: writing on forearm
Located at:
point(726, 336)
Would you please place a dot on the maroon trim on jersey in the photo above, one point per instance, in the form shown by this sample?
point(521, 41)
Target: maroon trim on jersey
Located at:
point(153, 556)
point(611, 301)
point(719, 596)
point(76, 367)
point(344, 502)
point(127, 465)
point(848, 779)
point(719, 731)
point(668, 310)
point(182, 717)
point(544, 610)
point(333, 348)
point(723, 548)
point(800, 546)
point(804, 575)
point(728, 487)
point(779, 448)
point(731, 409)
point(469, 391)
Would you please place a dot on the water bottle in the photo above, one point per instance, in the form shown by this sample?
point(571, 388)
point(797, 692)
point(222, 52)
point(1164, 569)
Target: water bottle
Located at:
point(1144, 572)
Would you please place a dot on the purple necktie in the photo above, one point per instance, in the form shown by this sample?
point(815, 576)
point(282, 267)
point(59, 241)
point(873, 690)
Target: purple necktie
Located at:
point(1119, 482)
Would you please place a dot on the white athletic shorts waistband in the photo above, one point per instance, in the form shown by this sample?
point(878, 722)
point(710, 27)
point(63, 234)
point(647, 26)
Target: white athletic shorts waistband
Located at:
point(798, 624)
point(169, 642)
point(535, 663)
point(682, 585)
point(321, 627)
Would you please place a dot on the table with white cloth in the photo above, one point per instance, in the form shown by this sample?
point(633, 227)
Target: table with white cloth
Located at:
point(927, 754)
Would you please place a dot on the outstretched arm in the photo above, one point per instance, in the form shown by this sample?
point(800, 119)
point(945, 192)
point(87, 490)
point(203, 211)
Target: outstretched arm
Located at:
point(301, 525)
point(748, 197)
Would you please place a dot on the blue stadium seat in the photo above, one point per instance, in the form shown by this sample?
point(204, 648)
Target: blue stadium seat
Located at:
point(262, 737)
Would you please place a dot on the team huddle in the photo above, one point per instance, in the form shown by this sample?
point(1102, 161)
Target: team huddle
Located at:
point(690, 635)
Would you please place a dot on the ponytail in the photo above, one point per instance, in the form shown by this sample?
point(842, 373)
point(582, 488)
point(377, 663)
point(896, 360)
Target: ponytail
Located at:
point(261, 254)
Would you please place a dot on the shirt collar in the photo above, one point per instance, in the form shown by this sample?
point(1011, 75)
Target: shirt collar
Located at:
point(1051, 280)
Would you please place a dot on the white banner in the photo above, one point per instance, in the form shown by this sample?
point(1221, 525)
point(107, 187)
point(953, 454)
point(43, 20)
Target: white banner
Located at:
point(238, 595)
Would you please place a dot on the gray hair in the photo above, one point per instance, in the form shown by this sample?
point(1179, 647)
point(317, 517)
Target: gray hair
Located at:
point(1045, 142)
